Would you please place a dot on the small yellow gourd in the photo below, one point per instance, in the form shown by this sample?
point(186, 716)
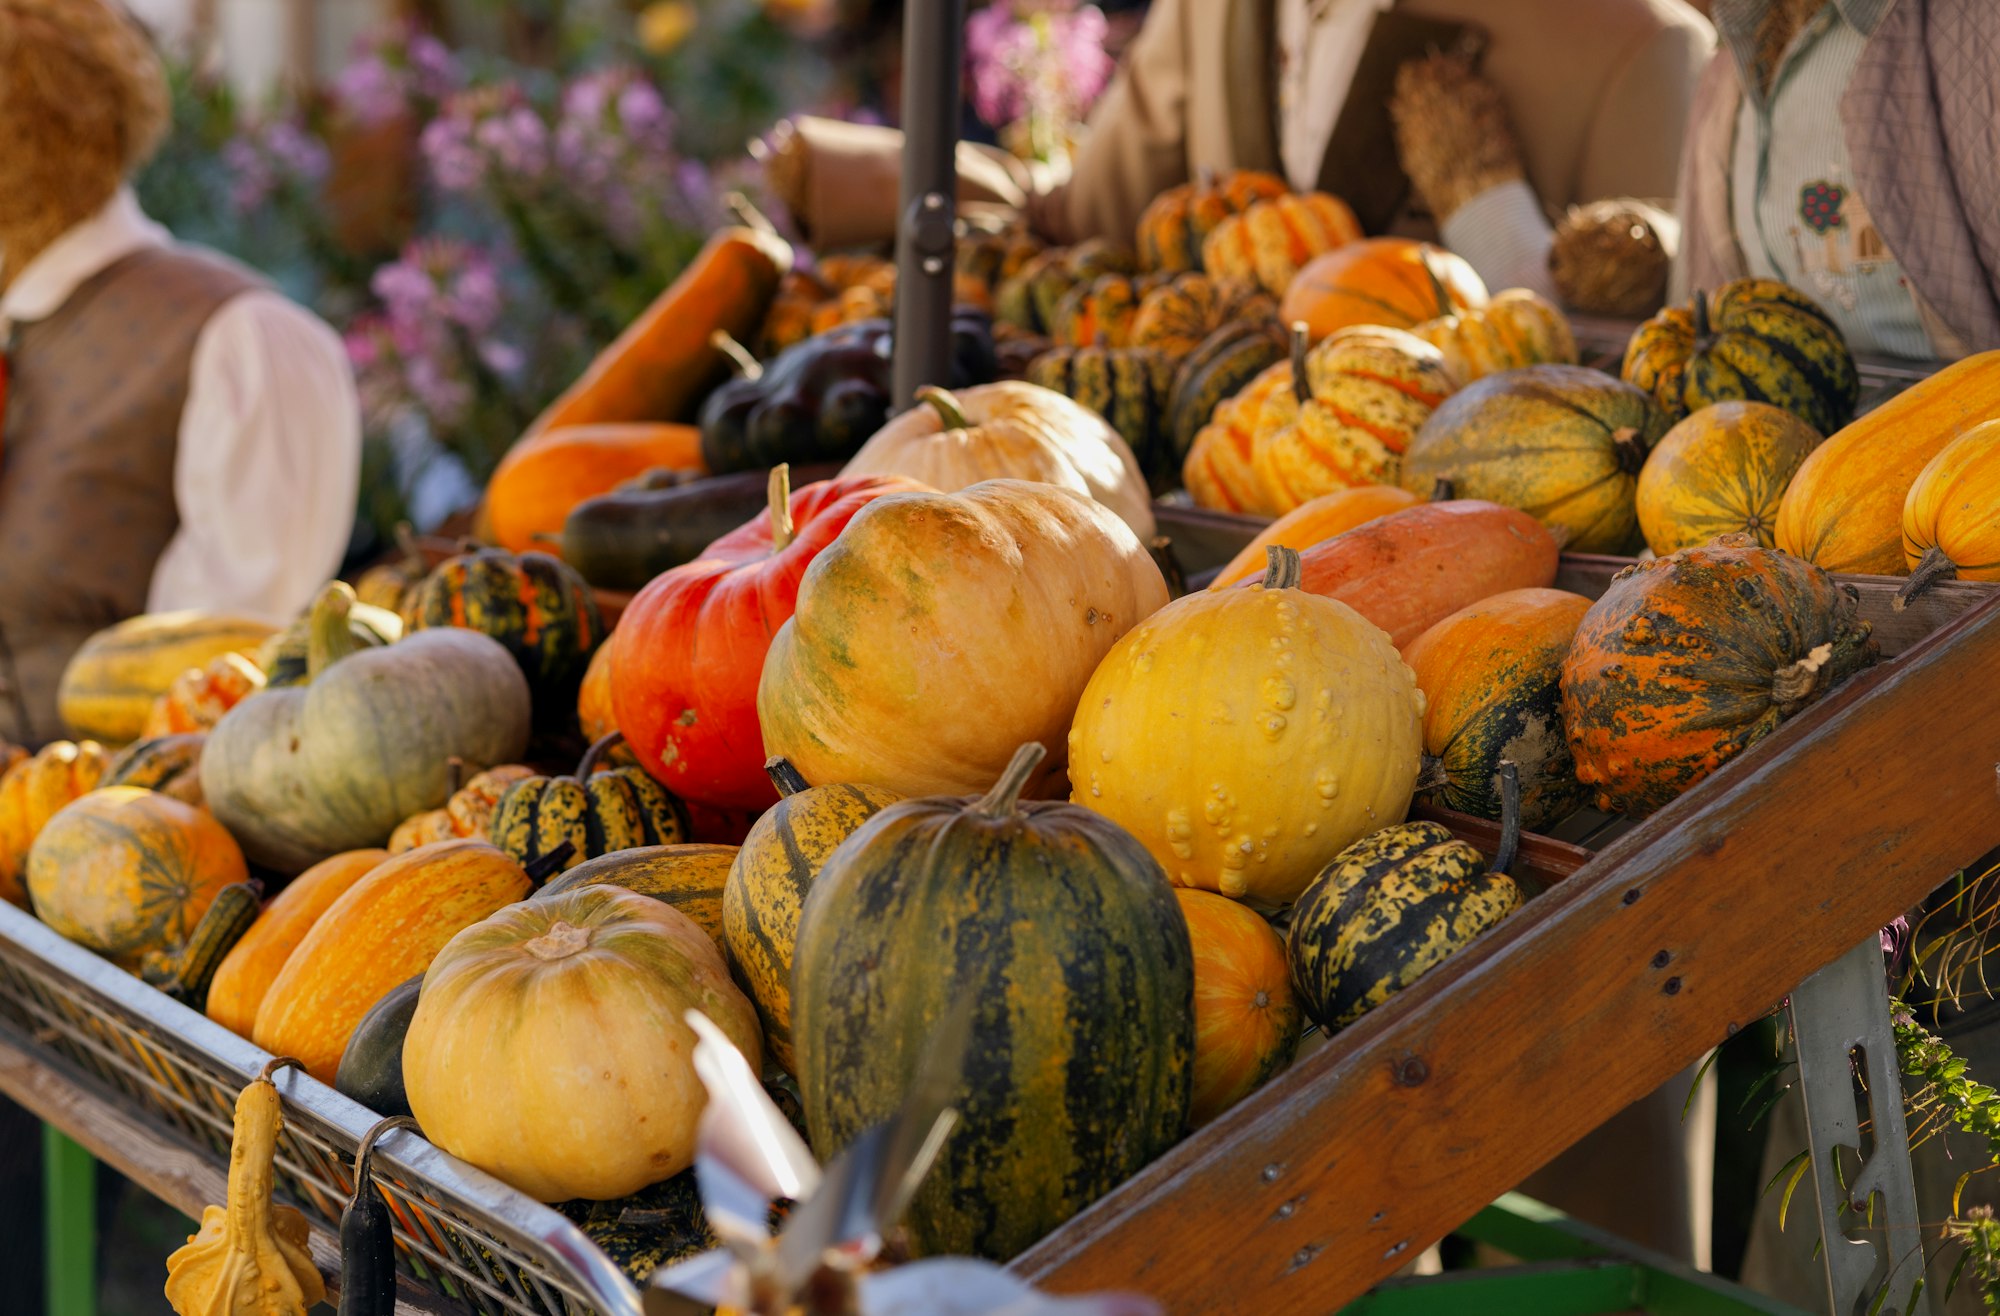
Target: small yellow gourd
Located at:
point(249, 1257)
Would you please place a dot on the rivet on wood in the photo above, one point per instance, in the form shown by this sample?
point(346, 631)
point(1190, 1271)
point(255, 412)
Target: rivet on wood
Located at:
point(1632, 896)
point(1376, 1219)
point(1732, 1030)
point(1304, 1255)
point(1286, 1210)
point(1412, 1072)
point(1660, 960)
point(1271, 1173)
point(1396, 1250)
point(1671, 987)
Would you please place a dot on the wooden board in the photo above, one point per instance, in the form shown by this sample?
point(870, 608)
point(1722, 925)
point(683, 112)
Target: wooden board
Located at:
point(1682, 931)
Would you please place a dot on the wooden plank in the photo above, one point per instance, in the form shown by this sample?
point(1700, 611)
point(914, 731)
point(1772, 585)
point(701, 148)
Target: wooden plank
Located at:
point(1679, 933)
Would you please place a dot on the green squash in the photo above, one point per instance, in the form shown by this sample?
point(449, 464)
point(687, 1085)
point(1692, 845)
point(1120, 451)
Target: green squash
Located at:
point(300, 774)
point(688, 877)
point(1216, 371)
point(170, 765)
point(371, 1068)
point(1128, 386)
point(1066, 937)
point(283, 657)
point(596, 812)
point(537, 607)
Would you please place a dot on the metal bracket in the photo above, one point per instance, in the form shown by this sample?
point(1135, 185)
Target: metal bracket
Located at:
point(1840, 1018)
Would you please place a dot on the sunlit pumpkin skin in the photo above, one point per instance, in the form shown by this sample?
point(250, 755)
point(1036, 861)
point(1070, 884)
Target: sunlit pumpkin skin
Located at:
point(1721, 471)
point(1951, 517)
point(1491, 675)
point(688, 877)
point(768, 884)
point(170, 765)
point(1172, 227)
point(1515, 329)
point(1753, 340)
point(934, 610)
point(566, 1017)
point(1687, 661)
point(124, 870)
point(1389, 909)
point(1843, 510)
point(108, 688)
point(1071, 946)
point(1220, 472)
point(31, 792)
point(1270, 240)
point(1409, 570)
point(544, 475)
point(1562, 443)
point(1010, 431)
point(253, 963)
point(1246, 1016)
point(1372, 390)
point(1226, 363)
point(536, 606)
point(381, 930)
point(594, 714)
point(1294, 727)
point(469, 811)
point(1395, 282)
point(596, 811)
point(200, 696)
point(1324, 517)
point(1130, 387)
point(1178, 317)
point(692, 643)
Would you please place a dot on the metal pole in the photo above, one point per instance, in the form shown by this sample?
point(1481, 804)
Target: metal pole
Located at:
point(933, 57)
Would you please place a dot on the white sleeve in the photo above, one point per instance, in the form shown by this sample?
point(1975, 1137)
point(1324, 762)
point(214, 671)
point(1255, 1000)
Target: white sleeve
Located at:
point(1502, 234)
point(268, 465)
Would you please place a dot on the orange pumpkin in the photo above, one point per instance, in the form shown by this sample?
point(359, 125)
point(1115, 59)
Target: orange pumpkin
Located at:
point(593, 699)
point(1322, 518)
point(1220, 471)
point(200, 696)
point(30, 794)
point(1951, 516)
point(1271, 240)
point(1387, 281)
point(252, 964)
point(545, 475)
point(1172, 228)
point(1246, 1017)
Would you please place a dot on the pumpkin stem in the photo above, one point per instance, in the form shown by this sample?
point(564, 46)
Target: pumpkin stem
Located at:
point(1799, 683)
point(1630, 448)
point(1443, 490)
point(454, 774)
point(1431, 774)
point(541, 869)
point(745, 365)
point(745, 213)
point(784, 776)
point(1301, 339)
point(1161, 549)
point(779, 493)
point(1001, 801)
point(1438, 289)
point(1282, 567)
point(561, 941)
point(1510, 817)
point(1701, 330)
point(941, 401)
point(604, 745)
point(1931, 568)
point(328, 636)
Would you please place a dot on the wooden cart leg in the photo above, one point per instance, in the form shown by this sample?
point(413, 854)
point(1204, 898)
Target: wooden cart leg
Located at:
point(69, 1195)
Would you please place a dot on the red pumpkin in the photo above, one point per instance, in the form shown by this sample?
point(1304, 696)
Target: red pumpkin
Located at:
point(691, 644)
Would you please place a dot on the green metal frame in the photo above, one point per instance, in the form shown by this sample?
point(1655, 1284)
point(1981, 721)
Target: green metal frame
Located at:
point(69, 1198)
point(1568, 1269)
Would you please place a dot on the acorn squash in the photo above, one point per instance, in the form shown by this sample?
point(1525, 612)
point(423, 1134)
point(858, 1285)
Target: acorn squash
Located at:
point(1227, 361)
point(1173, 225)
point(1270, 240)
point(170, 765)
point(688, 877)
point(1722, 471)
point(1754, 340)
point(1515, 329)
point(1177, 317)
point(595, 812)
point(1130, 387)
point(540, 610)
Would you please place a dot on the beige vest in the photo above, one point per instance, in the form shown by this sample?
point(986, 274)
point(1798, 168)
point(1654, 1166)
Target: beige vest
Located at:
point(87, 463)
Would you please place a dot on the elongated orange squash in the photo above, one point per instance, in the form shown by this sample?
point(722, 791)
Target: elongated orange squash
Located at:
point(545, 475)
point(1307, 524)
point(663, 363)
point(253, 963)
point(1951, 517)
point(1411, 569)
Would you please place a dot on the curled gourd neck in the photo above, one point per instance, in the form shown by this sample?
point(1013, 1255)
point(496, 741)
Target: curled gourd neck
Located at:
point(328, 636)
point(252, 1148)
point(1510, 817)
point(1301, 339)
point(784, 776)
point(602, 746)
point(1930, 569)
point(364, 1156)
point(950, 414)
point(562, 940)
point(741, 361)
point(1431, 775)
point(541, 869)
point(1629, 449)
point(779, 492)
point(1001, 801)
point(1282, 567)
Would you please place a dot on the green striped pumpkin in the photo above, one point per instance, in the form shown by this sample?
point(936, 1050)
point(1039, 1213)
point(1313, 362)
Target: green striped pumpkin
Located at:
point(767, 886)
point(688, 877)
point(284, 659)
point(596, 812)
point(535, 605)
point(1755, 340)
point(1128, 386)
point(1065, 935)
point(170, 765)
point(1216, 371)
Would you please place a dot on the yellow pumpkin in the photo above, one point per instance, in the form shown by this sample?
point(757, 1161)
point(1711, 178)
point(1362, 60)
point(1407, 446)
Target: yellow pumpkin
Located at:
point(1515, 329)
point(550, 1045)
point(31, 792)
point(1246, 736)
point(1246, 1015)
point(1010, 431)
point(108, 688)
point(1220, 470)
point(1844, 508)
point(1722, 471)
point(1270, 241)
point(939, 631)
point(1951, 517)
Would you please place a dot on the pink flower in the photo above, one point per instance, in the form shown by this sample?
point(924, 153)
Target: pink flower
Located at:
point(392, 69)
point(1046, 64)
point(264, 159)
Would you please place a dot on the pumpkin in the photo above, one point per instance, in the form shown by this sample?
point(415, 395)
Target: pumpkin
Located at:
point(769, 881)
point(546, 474)
point(1226, 363)
point(1270, 240)
point(253, 964)
point(1063, 935)
point(1389, 909)
point(1515, 329)
point(930, 614)
point(567, 1017)
point(684, 681)
point(1491, 674)
point(594, 812)
point(302, 774)
point(1173, 225)
point(109, 685)
point(250, 1257)
point(1029, 300)
point(1246, 1016)
point(381, 930)
point(1293, 726)
point(1220, 472)
point(1755, 340)
point(200, 696)
point(286, 657)
point(1395, 282)
point(1098, 313)
point(1011, 431)
point(124, 870)
point(1411, 569)
point(1951, 516)
point(1177, 317)
point(170, 765)
point(1310, 523)
point(1843, 509)
point(534, 604)
point(1721, 471)
point(1563, 443)
point(390, 584)
point(31, 792)
point(688, 877)
point(594, 714)
point(468, 812)
point(1130, 387)
point(983, 260)
point(1363, 395)
point(1688, 660)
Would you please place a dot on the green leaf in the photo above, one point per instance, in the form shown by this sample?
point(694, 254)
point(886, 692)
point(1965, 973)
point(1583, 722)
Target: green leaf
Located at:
point(1957, 1189)
point(1797, 1166)
point(1951, 1285)
point(1695, 1086)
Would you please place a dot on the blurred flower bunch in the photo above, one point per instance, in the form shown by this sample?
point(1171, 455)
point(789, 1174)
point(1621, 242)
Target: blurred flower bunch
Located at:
point(1035, 68)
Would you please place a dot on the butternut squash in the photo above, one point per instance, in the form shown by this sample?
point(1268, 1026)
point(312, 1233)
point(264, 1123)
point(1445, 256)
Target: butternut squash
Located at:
point(545, 475)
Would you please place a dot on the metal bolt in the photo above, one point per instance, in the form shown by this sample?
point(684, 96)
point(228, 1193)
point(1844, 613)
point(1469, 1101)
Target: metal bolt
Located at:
point(1412, 1072)
point(1632, 896)
point(1733, 1030)
point(1396, 1249)
point(933, 265)
point(1284, 1212)
point(932, 201)
point(1671, 987)
point(1271, 1173)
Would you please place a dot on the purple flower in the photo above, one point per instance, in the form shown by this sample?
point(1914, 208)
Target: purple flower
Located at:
point(264, 159)
point(434, 71)
point(486, 135)
point(517, 141)
point(454, 163)
point(369, 92)
point(1046, 65)
point(992, 42)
